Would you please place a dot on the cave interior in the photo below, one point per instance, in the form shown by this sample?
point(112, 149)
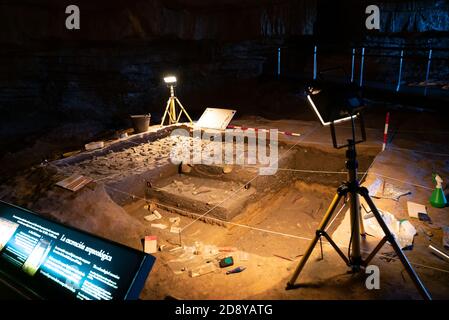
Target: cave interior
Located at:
point(62, 89)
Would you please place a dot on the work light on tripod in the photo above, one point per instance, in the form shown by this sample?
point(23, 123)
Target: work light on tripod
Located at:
point(170, 109)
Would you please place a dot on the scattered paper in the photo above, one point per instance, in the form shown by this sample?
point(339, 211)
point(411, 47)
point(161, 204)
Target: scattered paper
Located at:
point(150, 244)
point(175, 230)
point(197, 262)
point(389, 191)
point(402, 230)
point(202, 269)
point(414, 209)
point(150, 217)
point(154, 216)
point(374, 187)
point(159, 226)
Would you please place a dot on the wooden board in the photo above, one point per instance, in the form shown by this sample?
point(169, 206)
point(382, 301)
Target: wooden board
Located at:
point(215, 118)
point(74, 182)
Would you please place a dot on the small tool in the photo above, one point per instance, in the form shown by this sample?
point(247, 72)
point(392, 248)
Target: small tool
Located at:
point(236, 270)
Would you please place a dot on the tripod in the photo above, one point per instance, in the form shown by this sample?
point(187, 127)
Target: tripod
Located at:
point(170, 109)
point(353, 190)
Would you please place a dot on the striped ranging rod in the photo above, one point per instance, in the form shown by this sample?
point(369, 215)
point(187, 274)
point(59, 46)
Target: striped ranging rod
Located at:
point(286, 133)
point(387, 120)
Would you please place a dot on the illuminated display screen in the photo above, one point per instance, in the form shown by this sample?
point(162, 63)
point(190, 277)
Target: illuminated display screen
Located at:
point(54, 261)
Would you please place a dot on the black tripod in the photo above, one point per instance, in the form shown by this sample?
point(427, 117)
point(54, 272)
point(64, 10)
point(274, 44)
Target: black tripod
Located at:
point(352, 189)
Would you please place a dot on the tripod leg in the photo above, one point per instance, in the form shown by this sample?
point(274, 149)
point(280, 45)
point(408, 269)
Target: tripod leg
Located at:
point(375, 251)
point(313, 243)
point(336, 248)
point(321, 249)
point(355, 257)
point(416, 280)
point(182, 108)
point(362, 227)
point(172, 112)
point(166, 111)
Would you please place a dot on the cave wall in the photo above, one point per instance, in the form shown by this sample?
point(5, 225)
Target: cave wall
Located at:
point(416, 27)
point(35, 21)
point(415, 16)
point(113, 65)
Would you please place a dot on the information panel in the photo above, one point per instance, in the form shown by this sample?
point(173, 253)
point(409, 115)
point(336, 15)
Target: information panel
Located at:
point(54, 261)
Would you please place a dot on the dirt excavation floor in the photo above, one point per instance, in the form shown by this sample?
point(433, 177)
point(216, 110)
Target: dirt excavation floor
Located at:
point(264, 222)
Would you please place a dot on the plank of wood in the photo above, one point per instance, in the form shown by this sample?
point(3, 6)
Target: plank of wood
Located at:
point(74, 182)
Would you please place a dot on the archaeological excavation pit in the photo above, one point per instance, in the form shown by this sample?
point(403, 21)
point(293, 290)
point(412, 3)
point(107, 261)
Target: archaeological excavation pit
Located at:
point(141, 169)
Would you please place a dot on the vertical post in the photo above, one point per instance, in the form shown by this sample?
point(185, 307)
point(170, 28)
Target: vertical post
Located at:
point(429, 60)
point(172, 113)
point(314, 63)
point(398, 86)
point(279, 63)
point(387, 121)
point(361, 67)
point(353, 63)
point(354, 209)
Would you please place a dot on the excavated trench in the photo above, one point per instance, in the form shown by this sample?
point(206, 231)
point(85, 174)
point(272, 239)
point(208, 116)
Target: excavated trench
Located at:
point(140, 168)
point(224, 195)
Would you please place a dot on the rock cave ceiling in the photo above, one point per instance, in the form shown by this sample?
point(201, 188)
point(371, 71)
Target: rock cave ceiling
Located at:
point(228, 20)
point(23, 22)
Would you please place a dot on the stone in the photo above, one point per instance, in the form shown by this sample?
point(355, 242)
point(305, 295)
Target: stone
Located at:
point(152, 207)
point(175, 221)
point(227, 169)
point(186, 168)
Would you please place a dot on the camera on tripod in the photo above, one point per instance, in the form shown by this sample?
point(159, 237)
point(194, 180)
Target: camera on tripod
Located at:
point(337, 104)
point(333, 105)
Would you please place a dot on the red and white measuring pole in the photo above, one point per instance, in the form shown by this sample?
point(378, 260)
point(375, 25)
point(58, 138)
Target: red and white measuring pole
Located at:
point(286, 133)
point(387, 120)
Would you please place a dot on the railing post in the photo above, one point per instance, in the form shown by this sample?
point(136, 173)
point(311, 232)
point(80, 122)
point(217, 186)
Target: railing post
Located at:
point(429, 60)
point(352, 65)
point(400, 71)
point(279, 63)
point(361, 67)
